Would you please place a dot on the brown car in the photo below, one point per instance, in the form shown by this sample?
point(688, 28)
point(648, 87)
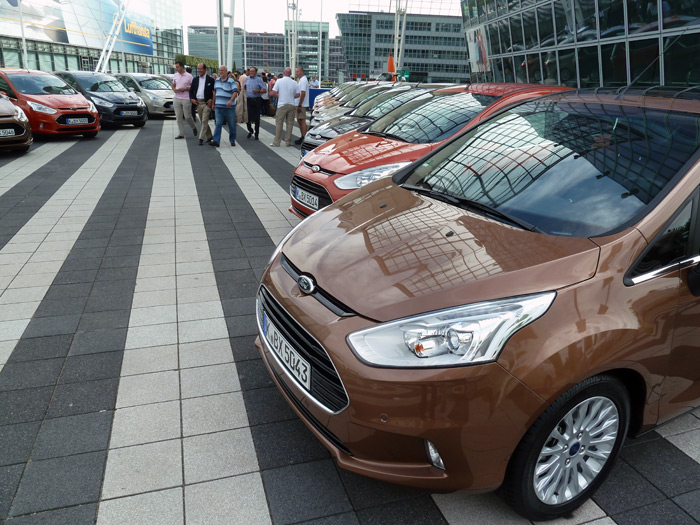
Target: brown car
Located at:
point(15, 132)
point(506, 310)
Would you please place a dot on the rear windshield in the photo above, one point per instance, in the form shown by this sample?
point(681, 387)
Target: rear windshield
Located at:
point(40, 85)
point(567, 168)
point(100, 83)
point(431, 117)
point(154, 83)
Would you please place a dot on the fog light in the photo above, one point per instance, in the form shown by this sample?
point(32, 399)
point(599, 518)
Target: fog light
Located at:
point(433, 456)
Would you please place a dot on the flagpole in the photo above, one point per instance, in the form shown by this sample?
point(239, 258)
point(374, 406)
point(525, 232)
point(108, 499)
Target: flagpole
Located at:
point(24, 42)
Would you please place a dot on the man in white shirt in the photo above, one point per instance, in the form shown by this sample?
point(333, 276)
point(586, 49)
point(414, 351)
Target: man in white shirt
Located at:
point(286, 91)
point(303, 102)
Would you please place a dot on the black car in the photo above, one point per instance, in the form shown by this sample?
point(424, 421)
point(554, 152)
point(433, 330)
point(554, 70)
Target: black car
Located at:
point(116, 104)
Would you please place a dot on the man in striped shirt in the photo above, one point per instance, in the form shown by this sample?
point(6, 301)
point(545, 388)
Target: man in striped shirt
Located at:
point(225, 93)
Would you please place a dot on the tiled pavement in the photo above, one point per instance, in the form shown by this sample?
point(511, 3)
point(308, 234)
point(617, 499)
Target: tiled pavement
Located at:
point(130, 390)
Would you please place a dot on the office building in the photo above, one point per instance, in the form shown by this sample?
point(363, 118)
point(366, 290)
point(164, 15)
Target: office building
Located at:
point(71, 35)
point(584, 43)
point(312, 44)
point(434, 46)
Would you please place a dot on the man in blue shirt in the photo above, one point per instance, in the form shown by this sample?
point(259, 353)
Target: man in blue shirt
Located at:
point(225, 93)
point(254, 88)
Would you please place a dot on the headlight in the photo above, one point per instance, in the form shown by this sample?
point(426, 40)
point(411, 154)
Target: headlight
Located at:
point(155, 97)
point(103, 103)
point(20, 115)
point(41, 108)
point(139, 102)
point(362, 177)
point(92, 108)
point(457, 336)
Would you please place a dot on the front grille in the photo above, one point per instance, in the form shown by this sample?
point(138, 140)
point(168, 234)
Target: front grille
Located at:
point(138, 109)
point(168, 105)
point(88, 116)
point(325, 172)
point(324, 198)
point(326, 387)
point(19, 130)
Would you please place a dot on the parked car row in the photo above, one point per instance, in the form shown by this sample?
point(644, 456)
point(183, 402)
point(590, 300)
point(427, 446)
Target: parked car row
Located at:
point(494, 285)
point(75, 102)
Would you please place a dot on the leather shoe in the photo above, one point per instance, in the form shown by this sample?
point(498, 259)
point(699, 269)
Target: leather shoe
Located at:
point(201, 142)
point(215, 144)
point(299, 141)
point(250, 134)
point(256, 137)
point(180, 137)
point(233, 143)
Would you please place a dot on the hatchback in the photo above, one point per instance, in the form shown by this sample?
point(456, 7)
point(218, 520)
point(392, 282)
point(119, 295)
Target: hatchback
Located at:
point(52, 106)
point(154, 90)
point(115, 103)
point(507, 310)
point(400, 137)
point(15, 131)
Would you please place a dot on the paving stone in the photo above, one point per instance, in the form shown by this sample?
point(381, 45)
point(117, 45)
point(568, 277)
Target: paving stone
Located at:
point(151, 335)
point(148, 388)
point(365, 492)
point(202, 353)
point(61, 482)
point(98, 341)
point(148, 360)
point(16, 442)
point(242, 325)
point(690, 502)
point(44, 326)
point(204, 310)
point(253, 374)
point(244, 348)
point(100, 302)
point(202, 415)
point(145, 424)
point(21, 406)
point(9, 481)
point(462, 507)
point(30, 374)
point(55, 307)
point(219, 455)
point(107, 319)
point(79, 368)
point(78, 515)
point(286, 443)
point(307, 491)
point(688, 442)
point(661, 513)
point(208, 380)
point(65, 436)
point(201, 330)
point(266, 405)
point(625, 489)
point(142, 468)
point(153, 315)
point(239, 499)
point(419, 510)
point(81, 398)
point(164, 507)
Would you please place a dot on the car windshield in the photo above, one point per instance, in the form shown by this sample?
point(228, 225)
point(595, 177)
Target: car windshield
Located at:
point(154, 83)
point(362, 109)
point(41, 85)
point(365, 96)
point(349, 95)
point(431, 117)
point(567, 168)
point(100, 83)
point(390, 104)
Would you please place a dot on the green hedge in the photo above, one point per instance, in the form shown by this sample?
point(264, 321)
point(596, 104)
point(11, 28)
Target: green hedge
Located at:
point(190, 60)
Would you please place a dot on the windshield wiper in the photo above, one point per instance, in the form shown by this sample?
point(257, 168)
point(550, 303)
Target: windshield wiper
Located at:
point(385, 135)
point(473, 205)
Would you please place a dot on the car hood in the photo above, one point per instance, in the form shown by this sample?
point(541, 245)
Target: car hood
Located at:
point(59, 101)
point(338, 126)
point(120, 97)
point(167, 95)
point(355, 151)
point(334, 112)
point(387, 253)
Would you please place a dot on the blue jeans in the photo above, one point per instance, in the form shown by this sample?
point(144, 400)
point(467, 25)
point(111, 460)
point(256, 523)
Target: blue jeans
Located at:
point(228, 114)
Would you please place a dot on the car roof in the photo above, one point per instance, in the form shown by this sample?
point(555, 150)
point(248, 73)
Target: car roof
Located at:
point(83, 73)
point(12, 71)
point(502, 89)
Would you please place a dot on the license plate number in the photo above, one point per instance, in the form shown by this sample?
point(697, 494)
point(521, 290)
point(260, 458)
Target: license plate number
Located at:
point(306, 198)
point(129, 113)
point(292, 361)
point(76, 121)
point(7, 132)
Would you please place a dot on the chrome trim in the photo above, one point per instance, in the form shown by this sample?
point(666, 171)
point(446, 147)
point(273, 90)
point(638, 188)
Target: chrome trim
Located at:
point(283, 368)
point(685, 263)
point(691, 261)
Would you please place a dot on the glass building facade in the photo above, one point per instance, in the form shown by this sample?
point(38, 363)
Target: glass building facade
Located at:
point(70, 34)
point(310, 47)
point(584, 43)
point(434, 46)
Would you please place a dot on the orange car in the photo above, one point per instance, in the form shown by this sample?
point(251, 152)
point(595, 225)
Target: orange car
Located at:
point(52, 106)
point(506, 311)
point(402, 136)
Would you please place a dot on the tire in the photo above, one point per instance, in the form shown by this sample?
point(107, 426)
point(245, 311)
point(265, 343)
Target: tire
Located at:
point(22, 150)
point(90, 135)
point(565, 75)
point(139, 124)
point(549, 499)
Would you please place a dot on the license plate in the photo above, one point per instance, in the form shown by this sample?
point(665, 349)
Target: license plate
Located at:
point(76, 121)
point(292, 361)
point(7, 132)
point(129, 113)
point(306, 198)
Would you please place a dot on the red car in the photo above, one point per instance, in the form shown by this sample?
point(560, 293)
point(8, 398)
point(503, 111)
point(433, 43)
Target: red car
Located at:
point(402, 136)
point(52, 106)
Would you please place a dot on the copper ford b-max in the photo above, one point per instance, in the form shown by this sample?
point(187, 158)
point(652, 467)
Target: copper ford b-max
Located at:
point(506, 310)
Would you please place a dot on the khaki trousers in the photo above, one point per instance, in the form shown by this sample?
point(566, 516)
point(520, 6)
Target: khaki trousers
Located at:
point(284, 114)
point(183, 110)
point(204, 112)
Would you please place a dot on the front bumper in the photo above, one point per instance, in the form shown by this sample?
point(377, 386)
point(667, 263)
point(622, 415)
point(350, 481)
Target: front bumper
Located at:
point(475, 416)
point(114, 115)
point(21, 134)
point(56, 124)
point(160, 108)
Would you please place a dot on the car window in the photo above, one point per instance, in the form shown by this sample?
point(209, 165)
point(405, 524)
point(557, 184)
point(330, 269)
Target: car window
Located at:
point(669, 246)
point(40, 85)
point(154, 83)
point(569, 169)
point(4, 86)
point(390, 104)
point(70, 81)
point(363, 108)
point(367, 96)
point(101, 83)
point(129, 83)
point(432, 117)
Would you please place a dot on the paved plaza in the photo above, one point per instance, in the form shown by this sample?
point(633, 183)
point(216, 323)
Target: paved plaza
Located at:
point(130, 389)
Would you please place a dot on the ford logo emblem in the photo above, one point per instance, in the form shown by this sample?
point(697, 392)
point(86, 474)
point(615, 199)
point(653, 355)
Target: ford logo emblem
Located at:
point(306, 284)
point(316, 169)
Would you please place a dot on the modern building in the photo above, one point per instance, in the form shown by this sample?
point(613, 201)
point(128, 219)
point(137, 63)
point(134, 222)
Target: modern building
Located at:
point(71, 34)
point(337, 64)
point(584, 43)
point(312, 44)
point(434, 46)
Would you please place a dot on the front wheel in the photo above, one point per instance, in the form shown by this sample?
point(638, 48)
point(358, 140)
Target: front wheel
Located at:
point(569, 451)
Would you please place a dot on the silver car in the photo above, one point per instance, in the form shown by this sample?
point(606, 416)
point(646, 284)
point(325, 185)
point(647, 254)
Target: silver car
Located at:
point(154, 90)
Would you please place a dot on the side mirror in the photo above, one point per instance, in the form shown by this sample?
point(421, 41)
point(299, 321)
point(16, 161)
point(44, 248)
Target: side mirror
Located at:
point(694, 280)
